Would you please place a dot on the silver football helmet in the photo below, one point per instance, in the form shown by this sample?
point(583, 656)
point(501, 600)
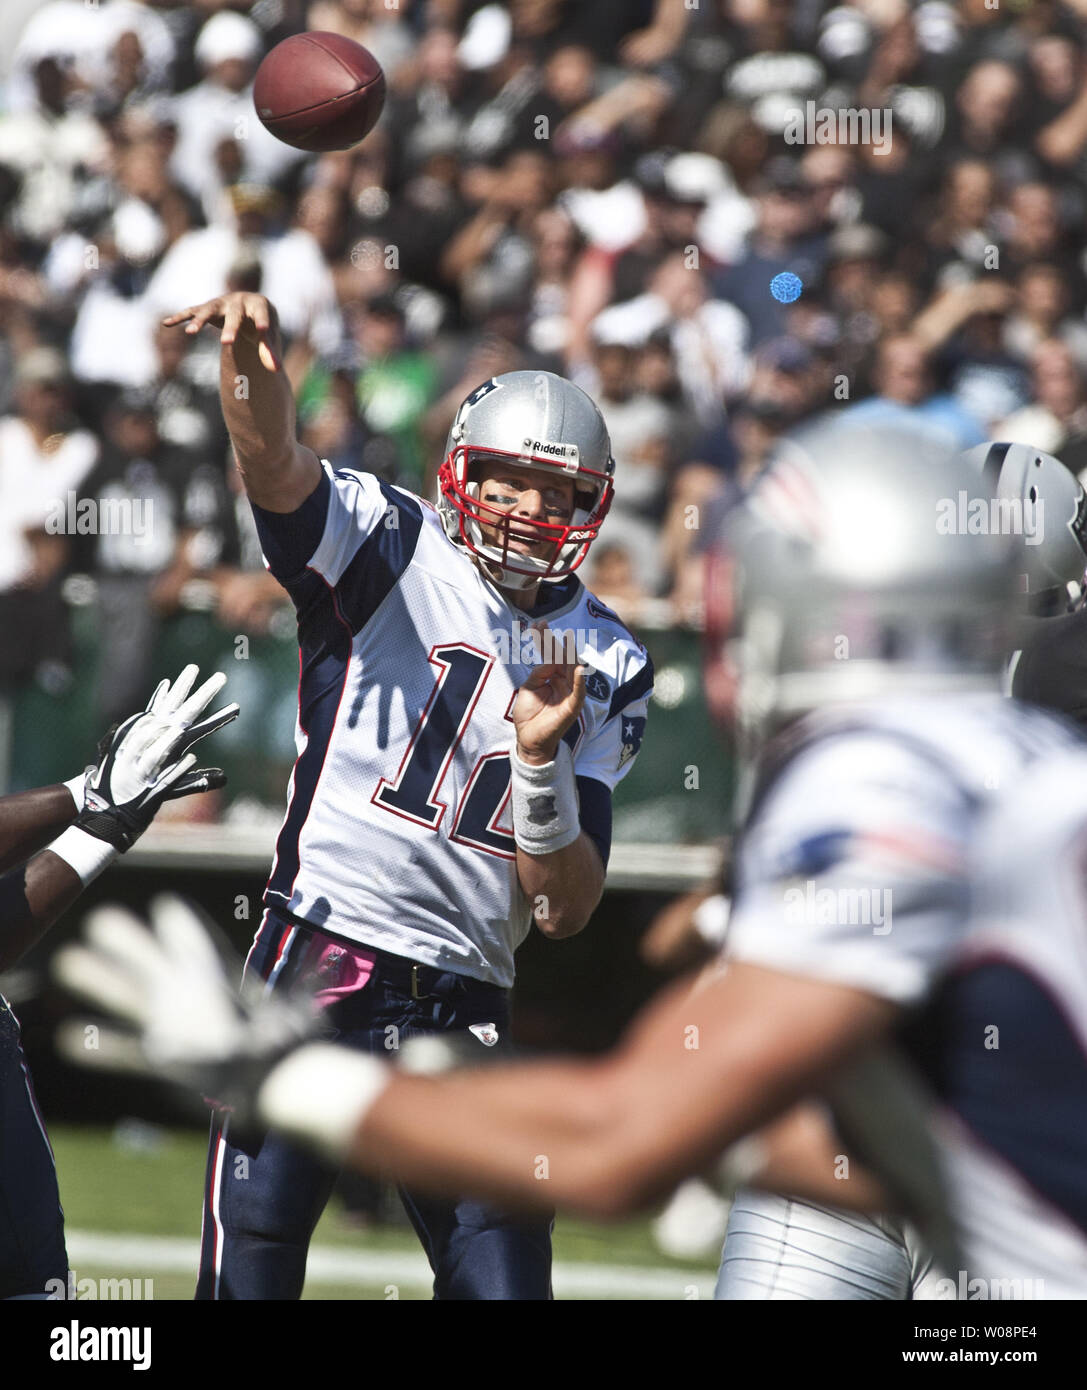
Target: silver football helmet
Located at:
point(851, 571)
point(541, 421)
point(1046, 509)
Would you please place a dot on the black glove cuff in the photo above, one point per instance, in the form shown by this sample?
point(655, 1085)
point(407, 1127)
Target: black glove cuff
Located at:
point(116, 826)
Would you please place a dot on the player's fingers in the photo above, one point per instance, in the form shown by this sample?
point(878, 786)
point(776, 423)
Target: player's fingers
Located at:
point(232, 322)
point(268, 360)
point(100, 982)
point(160, 692)
point(199, 700)
point(141, 738)
point(120, 937)
point(209, 725)
point(172, 774)
point(159, 753)
point(88, 1044)
point(542, 675)
point(184, 937)
point(204, 779)
point(177, 693)
point(201, 314)
point(256, 308)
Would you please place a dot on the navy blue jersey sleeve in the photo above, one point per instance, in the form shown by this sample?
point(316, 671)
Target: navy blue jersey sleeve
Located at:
point(339, 554)
point(289, 539)
point(594, 802)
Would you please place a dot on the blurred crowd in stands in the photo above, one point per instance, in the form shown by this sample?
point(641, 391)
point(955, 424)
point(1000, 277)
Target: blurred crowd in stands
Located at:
point(597, 188)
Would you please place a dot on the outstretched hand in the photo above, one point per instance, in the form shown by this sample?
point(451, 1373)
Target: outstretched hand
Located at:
point(238, 314)
point(547, 704)
point(187, 1022)
point(146, 760)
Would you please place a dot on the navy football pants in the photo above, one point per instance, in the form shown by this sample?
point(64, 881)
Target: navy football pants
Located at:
point(31, 1221)
point(262, 1202)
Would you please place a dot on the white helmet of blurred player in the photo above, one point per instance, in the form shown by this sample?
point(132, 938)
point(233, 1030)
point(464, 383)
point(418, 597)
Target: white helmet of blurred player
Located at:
point(851, 571)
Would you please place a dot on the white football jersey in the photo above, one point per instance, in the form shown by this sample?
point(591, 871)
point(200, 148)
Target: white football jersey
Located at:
point(398, 832)
point(856, 867)
point(853, 864)
point(1004, 1043)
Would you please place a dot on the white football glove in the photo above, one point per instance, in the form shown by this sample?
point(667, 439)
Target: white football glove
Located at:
point(145, 761)
point(192, 1027)
point(253, 1052)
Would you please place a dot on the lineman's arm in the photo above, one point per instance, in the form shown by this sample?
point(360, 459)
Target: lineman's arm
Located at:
point(32, 897)
point(702, 1068)
point(258, 404)
point(143, 762)
point(29, 820)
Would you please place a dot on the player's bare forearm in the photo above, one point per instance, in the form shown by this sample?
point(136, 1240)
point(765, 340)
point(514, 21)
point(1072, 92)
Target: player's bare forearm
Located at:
point(29, 820)
point(527, 1136)
point(564, 887)
point(31, 900)
point(704, 1067)
point(802, 1154)
point(258, 404)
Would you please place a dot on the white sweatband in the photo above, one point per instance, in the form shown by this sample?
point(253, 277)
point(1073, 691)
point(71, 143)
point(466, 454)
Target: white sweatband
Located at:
point(77, 786)
point(86, 854)
point(545, 811)
point(319, 1095)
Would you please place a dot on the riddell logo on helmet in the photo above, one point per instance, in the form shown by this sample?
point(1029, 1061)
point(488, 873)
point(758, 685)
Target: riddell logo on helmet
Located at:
point(567, 452)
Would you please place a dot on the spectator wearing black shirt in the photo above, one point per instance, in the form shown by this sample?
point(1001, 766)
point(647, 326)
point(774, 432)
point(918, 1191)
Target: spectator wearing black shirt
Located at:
point(142, 505)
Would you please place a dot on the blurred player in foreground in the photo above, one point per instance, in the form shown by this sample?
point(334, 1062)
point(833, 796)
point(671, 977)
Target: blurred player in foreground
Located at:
point(852, 896)
point(1043, 509)
point(451, 790)
point(101, 813)
point(891, 643)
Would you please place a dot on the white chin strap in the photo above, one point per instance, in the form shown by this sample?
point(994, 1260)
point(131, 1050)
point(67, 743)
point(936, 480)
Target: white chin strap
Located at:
point(502, 578)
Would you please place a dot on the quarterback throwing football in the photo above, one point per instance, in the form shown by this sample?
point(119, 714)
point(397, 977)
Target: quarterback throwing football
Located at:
point(450, 790)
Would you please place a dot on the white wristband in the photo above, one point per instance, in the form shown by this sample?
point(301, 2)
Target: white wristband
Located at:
point(545, 811)
point(77, 786)
point(319, 1095)
point(86, 854)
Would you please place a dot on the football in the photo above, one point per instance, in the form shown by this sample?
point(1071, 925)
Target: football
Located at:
point(319, 92)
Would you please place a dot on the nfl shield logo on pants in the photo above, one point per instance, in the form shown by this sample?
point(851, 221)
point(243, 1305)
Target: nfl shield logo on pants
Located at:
point(487, 1033)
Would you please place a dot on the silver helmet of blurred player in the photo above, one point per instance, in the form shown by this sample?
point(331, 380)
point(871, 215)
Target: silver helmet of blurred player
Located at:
point(1046, 510)
point(530, 420)
point(866, 562)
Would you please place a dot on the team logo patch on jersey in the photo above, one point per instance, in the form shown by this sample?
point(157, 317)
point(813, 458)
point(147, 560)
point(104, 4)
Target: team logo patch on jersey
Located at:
point(597, 686)
point(487, 1033)
point(633, 731)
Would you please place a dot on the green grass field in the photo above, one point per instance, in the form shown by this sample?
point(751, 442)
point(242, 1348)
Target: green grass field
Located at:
point(132, 1201)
